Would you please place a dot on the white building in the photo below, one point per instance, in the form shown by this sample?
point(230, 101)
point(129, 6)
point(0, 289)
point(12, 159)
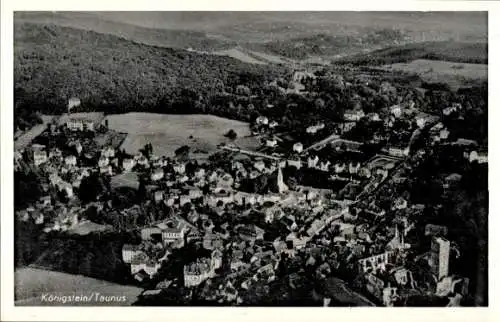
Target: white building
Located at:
point(180, 168)
point(324, 166)
point(128, 164)
point(103, 161)
point(108, 152)
point(271, 143)
point(298, 147)
point(39, 157)
point(259, 165)
point(396, 111)
point(440, 257)
point(399, 152)
point(479, 157)
point(70, 160)
point(353, 116)
point(157, 174)
point(262, 120)
point(312, 162)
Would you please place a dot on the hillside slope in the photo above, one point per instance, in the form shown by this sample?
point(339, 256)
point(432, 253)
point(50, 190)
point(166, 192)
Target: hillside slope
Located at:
point(52, 63)
point(475, 53)
point(177, 38)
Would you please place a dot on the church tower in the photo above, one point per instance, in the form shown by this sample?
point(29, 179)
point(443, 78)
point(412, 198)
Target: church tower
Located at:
point(282, 187)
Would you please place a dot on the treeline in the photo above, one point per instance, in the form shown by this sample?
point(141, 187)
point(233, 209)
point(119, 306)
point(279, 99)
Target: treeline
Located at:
point(473, 53)
point(96, 255)
point(330, 45)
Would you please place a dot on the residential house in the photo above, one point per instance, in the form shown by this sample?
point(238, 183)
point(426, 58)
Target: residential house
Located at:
point(130, 251)
point(39, 156)
point(339, 168)
point(195, 193)
point(158, 196)
point(399, 151)
point(273, 124)
point(295, 163)
point(55, 153)
point(107, 170)
point(128, 164)
point(400, 203)
point(260, 165)
point(200, 173)
point(300, 75)
point(173, 234)
point(73, 102)
point(151, 233)
point(480, 157)
point(108, 152)
point(354, 168)
point(70, 160)
point(195, 273)
point(157, 174)
point(313, 129)
point(298, 147)
point(262, 120)
point(79, 124)
point(353, 116)
point(376, 261)
point(374, 117)
point(271, 143)
point(180, 168)
point(143, 161)
point(103, 162)
point(324, 166)
point(451, 181)
point(396, 111)
point(312, 162)
point(452, 285)
point(222, 197)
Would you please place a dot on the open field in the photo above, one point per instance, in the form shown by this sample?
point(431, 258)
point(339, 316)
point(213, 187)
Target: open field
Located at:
point(126, 179)
point(24, 139)
point(169, 132)
point(454, 74)
point(240, 55)
point(86, 227)
point(31, 283)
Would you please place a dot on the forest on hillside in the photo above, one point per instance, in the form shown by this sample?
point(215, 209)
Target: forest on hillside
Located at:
point(472, 53)
point(52, 64)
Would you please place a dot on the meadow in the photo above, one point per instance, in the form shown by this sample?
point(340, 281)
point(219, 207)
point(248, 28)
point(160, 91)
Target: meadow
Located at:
point(202, 133)
point(454, 74)
point(31, 283)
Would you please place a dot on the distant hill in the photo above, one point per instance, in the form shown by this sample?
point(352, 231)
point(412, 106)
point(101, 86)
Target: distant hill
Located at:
point(292, 35)
point(177, 38)
point(474, 53)
point(52, 63)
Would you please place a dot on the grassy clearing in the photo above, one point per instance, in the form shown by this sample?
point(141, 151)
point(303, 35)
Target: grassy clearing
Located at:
point(169, 132)
point(87, 227)
point(240, 55)
point(31, 283)
point(454, 74)
point(25, 138)
point(126, 179)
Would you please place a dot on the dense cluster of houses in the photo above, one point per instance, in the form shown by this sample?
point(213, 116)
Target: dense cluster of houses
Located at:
point(199, 195)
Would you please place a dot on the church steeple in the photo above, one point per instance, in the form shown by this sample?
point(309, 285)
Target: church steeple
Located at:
point(282, 187)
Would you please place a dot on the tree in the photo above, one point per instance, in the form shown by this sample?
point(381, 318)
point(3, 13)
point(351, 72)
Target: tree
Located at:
point(231, 134)
point(182, 152)
point(90, 188)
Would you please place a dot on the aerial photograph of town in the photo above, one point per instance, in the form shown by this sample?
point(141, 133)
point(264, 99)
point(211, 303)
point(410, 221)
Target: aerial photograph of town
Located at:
point(255, 159)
